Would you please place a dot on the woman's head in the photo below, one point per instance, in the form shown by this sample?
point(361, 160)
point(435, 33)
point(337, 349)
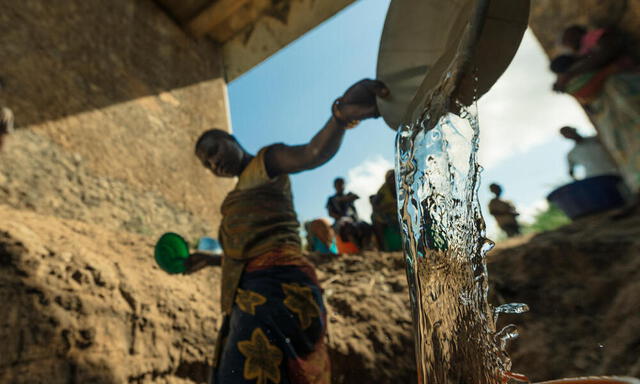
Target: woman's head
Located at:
point(221, 153)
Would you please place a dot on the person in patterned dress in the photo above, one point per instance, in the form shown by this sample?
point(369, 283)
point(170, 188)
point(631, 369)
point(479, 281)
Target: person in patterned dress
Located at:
point(602, 75)
point(275, 319)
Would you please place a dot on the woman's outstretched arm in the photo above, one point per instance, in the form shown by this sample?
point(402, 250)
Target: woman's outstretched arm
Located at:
point(199, 259)
point(357, 103)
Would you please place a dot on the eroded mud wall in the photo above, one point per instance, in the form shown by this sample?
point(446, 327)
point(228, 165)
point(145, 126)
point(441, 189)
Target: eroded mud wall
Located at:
point(109, 97)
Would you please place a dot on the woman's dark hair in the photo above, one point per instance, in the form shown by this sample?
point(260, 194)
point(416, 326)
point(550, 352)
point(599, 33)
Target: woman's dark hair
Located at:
point(212, 134)
point(562, 63)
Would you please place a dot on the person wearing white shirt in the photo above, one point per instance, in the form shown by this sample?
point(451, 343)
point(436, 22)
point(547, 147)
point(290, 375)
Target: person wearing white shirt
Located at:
point(589, 153)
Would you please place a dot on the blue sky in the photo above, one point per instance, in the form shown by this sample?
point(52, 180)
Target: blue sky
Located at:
point(287, 99)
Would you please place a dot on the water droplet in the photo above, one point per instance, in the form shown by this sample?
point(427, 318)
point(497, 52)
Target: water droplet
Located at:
point(506, 334)
point(509, 308)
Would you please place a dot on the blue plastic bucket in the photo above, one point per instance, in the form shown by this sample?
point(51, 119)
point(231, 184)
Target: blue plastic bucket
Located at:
point(589, 196)
point(209, 244)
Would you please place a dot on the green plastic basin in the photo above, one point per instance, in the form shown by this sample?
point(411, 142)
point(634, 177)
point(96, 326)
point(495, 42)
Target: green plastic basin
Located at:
point(170, 253)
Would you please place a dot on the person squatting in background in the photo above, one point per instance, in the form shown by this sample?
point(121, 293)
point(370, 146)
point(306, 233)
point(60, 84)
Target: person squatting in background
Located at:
point(353, 234)
point(320, 236)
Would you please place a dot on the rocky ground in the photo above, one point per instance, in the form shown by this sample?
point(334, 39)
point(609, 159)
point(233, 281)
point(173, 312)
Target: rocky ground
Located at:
point(582, 284)
point(370, 328)
point(82, 304)
point(85, 304)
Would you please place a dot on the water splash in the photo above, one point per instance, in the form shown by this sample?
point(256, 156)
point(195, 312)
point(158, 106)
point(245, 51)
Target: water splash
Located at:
point(445, 248)
point(511, 308)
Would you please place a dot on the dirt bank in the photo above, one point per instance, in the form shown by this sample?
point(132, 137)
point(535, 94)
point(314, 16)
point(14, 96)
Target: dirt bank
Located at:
point(582, 283)
point(83, 304)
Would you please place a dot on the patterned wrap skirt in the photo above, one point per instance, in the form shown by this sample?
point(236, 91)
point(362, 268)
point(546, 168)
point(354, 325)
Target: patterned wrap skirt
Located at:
point(276, 330)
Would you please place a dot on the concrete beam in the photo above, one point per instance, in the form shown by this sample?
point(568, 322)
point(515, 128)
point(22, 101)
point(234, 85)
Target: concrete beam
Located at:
point(214, 15)
point(241, 20)
point(273, 31)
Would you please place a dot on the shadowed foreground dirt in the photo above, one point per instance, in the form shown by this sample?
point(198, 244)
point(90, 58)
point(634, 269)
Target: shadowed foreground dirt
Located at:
point(83, 304)
point(582, 284)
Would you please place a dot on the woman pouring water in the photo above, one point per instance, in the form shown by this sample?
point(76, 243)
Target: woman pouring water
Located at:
point(275, 319)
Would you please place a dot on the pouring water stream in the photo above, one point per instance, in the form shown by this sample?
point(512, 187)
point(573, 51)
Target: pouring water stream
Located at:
point(445, 248)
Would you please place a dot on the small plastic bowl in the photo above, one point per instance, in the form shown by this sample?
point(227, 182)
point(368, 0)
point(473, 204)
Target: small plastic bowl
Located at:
point(170, 253)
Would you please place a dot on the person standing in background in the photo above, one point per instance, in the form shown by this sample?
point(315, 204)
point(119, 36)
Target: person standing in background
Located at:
point(384, 217)
point(504, 212)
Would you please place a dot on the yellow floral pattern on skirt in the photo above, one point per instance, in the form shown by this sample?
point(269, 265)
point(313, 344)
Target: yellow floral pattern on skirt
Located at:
point(248, 300)
point(262, 358)
point(300, 301)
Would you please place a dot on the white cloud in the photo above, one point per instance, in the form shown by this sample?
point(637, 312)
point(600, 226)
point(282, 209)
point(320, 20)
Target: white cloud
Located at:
point(521, 110)
point(364, 180)
point(528, 212)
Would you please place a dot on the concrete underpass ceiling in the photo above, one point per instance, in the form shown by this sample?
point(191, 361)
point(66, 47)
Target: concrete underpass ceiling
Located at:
point(250, 31)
